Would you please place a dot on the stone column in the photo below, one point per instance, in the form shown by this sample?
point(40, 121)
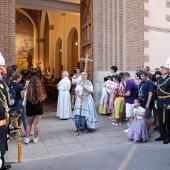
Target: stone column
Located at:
point(51, 49)
point(7, 30)
point(64, 58)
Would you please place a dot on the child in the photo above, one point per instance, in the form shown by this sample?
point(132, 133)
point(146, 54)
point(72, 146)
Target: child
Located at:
point(103, 103)
point(138, 130)
point(118, 102)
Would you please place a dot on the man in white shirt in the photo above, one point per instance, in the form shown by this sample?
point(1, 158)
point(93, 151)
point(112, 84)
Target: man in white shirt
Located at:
point(75, 80)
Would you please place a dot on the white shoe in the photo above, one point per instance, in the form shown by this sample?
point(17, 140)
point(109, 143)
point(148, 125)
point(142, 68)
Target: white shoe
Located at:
point(26, 140)
point(35, 140)
point(126, 118)
point(115, 124)
point(128, 124)
point(126, 131)
point(120, 124)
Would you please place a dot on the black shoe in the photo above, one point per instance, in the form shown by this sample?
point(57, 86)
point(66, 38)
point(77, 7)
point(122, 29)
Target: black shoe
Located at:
point(6, 167)
point(166, 141)
point(160, 138)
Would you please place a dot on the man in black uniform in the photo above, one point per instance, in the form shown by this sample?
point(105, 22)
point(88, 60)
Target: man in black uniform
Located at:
point(4, 98)
point(163, 105)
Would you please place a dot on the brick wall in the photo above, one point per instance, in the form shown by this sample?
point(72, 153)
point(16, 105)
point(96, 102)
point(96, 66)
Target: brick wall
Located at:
point(7, 30)
point(118, 33)
point(117, 38)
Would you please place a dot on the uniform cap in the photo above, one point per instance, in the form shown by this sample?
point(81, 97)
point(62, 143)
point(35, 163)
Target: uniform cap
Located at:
point(165, 66)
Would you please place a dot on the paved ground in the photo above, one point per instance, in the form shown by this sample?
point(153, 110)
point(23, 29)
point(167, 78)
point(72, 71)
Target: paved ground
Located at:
point(106, 148)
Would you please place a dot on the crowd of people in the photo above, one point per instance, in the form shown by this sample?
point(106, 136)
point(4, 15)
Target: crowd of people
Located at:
point(138, 99)
point(27, 97)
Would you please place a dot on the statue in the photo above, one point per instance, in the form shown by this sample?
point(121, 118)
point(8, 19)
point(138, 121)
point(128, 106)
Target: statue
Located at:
point(29, 60)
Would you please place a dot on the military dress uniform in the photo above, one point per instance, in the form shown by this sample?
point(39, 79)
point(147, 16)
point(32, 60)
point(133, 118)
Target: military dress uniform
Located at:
point(3, 121)
point(163, 104)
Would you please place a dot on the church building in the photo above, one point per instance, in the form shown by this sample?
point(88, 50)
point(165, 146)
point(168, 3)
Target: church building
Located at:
point(56, 34)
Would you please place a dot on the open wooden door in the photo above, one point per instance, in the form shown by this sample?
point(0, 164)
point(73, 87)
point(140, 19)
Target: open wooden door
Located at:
point(86, 19)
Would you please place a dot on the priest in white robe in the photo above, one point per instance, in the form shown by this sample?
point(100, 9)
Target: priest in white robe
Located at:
point(64, 102)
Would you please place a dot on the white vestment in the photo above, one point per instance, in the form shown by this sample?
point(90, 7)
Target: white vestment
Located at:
point(64, 102)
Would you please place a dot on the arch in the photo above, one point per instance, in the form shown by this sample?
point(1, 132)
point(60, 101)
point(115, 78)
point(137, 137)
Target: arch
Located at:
point(72, 50)
point(49, 17)
point(46, 43)
point(44, 16)
point(42, 24)
point(36, 58)
point(58, 58)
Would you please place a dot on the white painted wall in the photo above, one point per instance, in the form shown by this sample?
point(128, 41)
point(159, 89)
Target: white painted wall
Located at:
point(159, 48)
point(159, 42)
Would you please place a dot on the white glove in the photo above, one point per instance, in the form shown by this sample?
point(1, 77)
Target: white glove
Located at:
point(156, 107)
point(0, 163)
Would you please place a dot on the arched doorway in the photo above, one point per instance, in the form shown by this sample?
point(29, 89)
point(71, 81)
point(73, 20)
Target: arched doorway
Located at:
point(46, 46)
point(58, 59)
point(26, 36)
point(72, 50)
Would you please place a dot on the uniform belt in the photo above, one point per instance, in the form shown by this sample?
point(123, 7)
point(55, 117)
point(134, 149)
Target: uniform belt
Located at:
point(2, 122)
point(164, 97)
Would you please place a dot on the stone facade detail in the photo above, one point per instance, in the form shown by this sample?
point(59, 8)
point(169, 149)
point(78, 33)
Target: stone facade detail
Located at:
point(168, 18)
point(146, 58)
point(7, 33)
point(168, 3)
point(146, 13)
point(146, 43)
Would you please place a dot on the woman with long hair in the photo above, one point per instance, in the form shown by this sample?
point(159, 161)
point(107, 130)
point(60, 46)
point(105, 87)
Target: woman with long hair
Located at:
point(34, 107)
